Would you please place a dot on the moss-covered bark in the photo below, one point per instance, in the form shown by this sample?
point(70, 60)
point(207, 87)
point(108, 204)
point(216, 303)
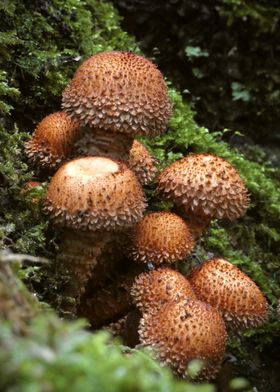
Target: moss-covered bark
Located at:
point(41, 45)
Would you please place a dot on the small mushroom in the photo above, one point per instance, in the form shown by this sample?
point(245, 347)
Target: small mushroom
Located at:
point(154, 288)
point(142, 163)
point(52, 142)
point(115, 96)
point(233, 293)
point(161, 237)
point(185, 330)
point(204, 186)
point(90, 199)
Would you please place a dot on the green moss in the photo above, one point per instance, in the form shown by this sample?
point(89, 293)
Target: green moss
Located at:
point(60, 356)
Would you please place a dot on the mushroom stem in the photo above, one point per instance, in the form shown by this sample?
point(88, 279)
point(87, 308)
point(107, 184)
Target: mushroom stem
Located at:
point(197, 225)
point(109, 303)
point(78, 254)
point(97, 142)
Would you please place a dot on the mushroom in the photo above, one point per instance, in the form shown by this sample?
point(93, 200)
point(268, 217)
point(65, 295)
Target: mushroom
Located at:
point(53, 140)
point(204, 186)
point(154, 288)
point(161, 237)
point(115, 96)
point(232, 292)
point(142, 163)
point(91, 200)
point(185, 330)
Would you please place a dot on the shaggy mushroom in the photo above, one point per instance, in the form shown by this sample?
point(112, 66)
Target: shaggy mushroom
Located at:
point(116, 96)
point(161, 237)
point(204, 186)
point(154, 288)
point(185, 330)
point(142, 163)
point(53, 140)
point(90, 199)
point(232, 292)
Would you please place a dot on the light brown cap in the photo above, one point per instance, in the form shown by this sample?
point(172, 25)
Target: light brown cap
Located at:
point(161, 237)
point(52, 141)
point(186, 330)
point(119, 92)
point(205, 185)
point(142, 163)
point(228, 289)
point(152, 289)
point(95, 193)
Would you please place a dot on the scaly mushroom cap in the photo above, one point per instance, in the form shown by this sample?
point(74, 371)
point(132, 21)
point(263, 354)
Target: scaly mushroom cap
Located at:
point(119, 92)
point(142, 163)
point(205, 185)
point(152, 289)
point(52, 141)
point(228, 289)
point(95, 193)
point(161, 237)
point(186, 330)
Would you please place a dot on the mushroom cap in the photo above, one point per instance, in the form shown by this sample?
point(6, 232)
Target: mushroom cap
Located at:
point(95, 193)
point(152, 289)
point(142, 163)
point(205, 185)
point(52, 141)
point(185, 330)
point(224, 286)
point(161, 237)
point(119, 92)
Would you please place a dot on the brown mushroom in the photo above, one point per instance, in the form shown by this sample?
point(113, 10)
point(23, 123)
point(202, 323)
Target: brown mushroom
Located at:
point(204, 186)
point(232, 292)
point(116, 96)
point(142, 163)
point(161, 237)
point(53, 140)
point(154, 288)
point(185, 330)
point(90, 199)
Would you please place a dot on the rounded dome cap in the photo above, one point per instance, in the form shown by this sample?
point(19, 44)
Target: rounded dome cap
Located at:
point(205, 185)
point(142, 163)
point(228, 289)
point(152, 289)
point(161, 237)
point(120, 92)
point(186, 330)
point(52, 141)
point(95, 193)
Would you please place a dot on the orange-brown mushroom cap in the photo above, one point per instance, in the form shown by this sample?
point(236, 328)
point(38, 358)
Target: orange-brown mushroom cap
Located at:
point(228, 289)
point(52, 141)
point(95, 193)
point(152, 289)
point(142, 163)
point(205, 185)
point(186, 330)
point(118, 92)
point(161, 237)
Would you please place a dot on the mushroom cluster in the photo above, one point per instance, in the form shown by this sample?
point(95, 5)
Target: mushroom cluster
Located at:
point(118, 267)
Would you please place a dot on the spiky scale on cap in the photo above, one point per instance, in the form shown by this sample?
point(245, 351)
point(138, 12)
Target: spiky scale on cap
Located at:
point(161, 237)
point(154, 288)
point(228, 289)
point(119, 92)
point(95, 193)
point(185, 330)
point(142, 163)
point(52, 141)
point(205, 185)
